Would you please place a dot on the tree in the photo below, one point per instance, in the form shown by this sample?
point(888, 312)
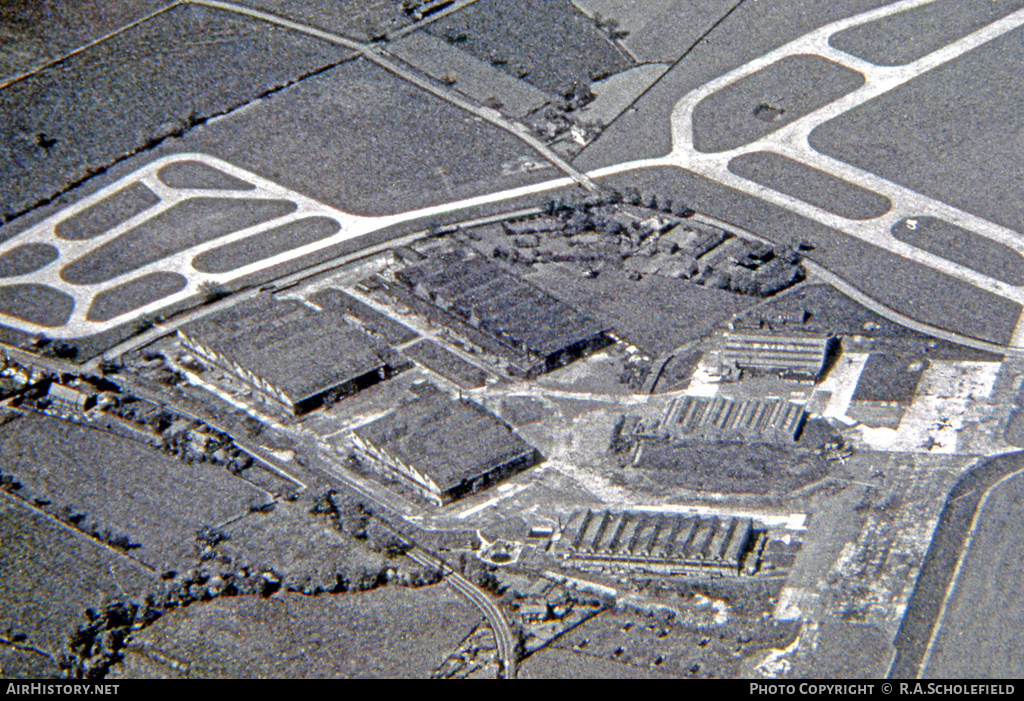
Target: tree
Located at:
point(212, 291)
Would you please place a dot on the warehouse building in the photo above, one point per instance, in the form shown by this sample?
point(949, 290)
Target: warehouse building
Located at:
point(721, 419)
point(885, 389)
point(804, 357)
point(442, 447)
point(534, 331)
point(661, 543)
point(291, 354)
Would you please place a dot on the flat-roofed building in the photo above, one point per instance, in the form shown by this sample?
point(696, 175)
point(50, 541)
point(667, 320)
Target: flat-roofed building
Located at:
point(68, 399)
point(442, 447)
point(533, 330)
point(290, 353)
point(885, 389)
point(662, 543)
point(796, 356)
point(718, 418)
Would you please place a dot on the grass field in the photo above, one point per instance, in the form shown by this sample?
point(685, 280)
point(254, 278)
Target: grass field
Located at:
point(107, 213)
point(982, 633)
point(156, 500)
point(391, 632)
point(479, 80)
point(909, 35)
point(365, 141)
point(26, 259)
point(161, 77)
point(302, 548)
point(659, 30)
point(179, 228)
point(368, 317)
point(789, 89)
point(134, 294)
point(846, 650)
point(37, 304)
point(49, 575)
point(756, 468)
point(963, 247)
point(447, 364)
point(547, 43)
point(958, 143)
point(265, 245)
point(656, 314)
point(912, 289)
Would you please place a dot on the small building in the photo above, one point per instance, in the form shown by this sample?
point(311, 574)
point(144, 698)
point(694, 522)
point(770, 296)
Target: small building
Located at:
point(288, 352)
point(444, 448)
point(770, 420)
point(662, 543)
point(796, 356)
point(68, 399)
point(885, 389)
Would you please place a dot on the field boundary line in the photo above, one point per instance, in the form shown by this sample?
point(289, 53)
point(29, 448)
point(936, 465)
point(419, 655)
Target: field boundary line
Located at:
point(390, 63)
point(109, 35)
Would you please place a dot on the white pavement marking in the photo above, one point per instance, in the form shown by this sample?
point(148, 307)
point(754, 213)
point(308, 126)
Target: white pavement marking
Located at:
point(790, 141)
point(352, 226)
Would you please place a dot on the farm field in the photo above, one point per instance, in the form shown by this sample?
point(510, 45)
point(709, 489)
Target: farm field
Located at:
point(391, 631)
point(153, 77)
point(157, 501)
point(49, 575)
point(547, 43)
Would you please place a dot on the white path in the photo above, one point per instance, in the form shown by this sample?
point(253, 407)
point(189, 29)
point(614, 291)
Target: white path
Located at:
point(790, 141)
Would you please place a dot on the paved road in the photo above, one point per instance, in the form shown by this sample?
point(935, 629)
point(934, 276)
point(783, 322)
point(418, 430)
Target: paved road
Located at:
point(788, 143)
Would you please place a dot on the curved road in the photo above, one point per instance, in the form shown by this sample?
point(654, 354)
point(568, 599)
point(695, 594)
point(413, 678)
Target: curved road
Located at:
point(503, 636)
